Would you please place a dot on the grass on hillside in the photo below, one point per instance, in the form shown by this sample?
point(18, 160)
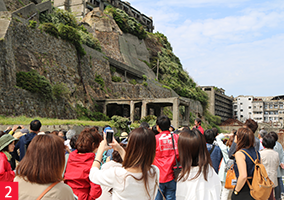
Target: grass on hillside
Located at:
point(22, 120)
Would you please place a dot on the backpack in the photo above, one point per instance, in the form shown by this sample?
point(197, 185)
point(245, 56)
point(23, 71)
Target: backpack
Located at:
point(261, 185)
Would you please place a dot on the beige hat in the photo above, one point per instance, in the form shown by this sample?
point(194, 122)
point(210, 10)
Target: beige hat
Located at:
point(123, 135)
point(5, 140)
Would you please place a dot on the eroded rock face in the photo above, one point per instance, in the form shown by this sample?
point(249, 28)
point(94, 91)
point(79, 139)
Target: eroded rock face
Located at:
point(125, 48)
point(25, 49)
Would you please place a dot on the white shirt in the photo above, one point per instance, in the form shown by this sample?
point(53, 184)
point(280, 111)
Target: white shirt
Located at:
point(199, 189)
point(106, 195)
point(124, 185)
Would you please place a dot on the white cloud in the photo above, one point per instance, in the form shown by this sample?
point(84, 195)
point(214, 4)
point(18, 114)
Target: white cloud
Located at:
point(242, 53)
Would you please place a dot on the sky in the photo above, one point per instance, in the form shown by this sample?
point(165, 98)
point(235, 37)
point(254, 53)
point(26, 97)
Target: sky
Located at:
point(237, 45)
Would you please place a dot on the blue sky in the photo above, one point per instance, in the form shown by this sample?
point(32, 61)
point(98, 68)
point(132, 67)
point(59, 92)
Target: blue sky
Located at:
point(237, 45)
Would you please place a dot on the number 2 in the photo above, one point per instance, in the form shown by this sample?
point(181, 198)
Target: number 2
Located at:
point(10, 189)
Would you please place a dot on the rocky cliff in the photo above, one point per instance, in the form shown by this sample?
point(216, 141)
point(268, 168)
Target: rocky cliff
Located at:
point(23, 49)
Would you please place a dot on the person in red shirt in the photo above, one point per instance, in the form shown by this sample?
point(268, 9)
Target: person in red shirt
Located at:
point(197, 123)
point(165, 158)
point(79, 165)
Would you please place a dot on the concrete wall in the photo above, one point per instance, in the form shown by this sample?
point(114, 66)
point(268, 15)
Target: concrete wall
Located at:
point(2, 6)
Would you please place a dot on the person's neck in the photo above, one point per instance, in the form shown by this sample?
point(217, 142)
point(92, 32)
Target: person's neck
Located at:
point(36, 132)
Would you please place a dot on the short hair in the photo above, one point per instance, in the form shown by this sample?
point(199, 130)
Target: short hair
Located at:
point(88, 141)
point(144, 125)
point(215, 130)
point(44, 160)
point(73, 141)
point(198, 120)
point(35, 125)
point(154, 129)
point(70, 134)
point(55, 132)
point(262, 133)
point(209, 136)
point(106, 127)
point(273, 134)
point(245, 138)
point(251, 124)
point(163, 122)
point(268, 141)
point(193, 152)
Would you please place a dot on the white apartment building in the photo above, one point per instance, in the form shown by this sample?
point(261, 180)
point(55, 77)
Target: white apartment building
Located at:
point(261, 109)
point(242, 107)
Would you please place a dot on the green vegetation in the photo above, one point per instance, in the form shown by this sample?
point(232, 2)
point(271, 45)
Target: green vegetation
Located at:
point(59, 16)
point(60, 90)
point(69, 30)
point(119, 122)
point(72, 35)
point(212, 120)
point(150, 119)
point(133, 82)
point(32, 24)
point(86, 114)
point(90, 41)
point(50, 121)
point(126, 24)
point(167, 111)
point(21, 2)
point(144, 77)
point(34, 83)
point(100, 81)
point(116, 79)
point(50, 29)
point(167, 87)
point(145, 83)
point(171, 73)
point(112, 69)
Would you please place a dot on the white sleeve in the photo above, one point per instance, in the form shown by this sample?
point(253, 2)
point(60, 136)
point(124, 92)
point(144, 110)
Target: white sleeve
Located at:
point(220, 142)
point(103, 177)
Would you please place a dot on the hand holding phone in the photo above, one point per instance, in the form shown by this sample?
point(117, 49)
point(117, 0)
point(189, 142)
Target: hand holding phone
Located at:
point(109, 136)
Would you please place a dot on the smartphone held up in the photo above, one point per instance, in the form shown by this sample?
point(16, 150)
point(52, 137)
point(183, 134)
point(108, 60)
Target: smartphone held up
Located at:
point(109, 136)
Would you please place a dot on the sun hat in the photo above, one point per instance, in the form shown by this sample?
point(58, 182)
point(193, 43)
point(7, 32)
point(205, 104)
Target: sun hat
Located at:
point(5, 140)
point(123, 135)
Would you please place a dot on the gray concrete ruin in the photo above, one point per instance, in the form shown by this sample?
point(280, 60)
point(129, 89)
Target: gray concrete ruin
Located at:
point(140, 108)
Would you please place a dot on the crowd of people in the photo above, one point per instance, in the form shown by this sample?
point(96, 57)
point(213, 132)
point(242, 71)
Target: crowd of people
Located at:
point(159, 162)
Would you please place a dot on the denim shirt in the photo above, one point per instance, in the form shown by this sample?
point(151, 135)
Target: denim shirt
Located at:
point(216, 156)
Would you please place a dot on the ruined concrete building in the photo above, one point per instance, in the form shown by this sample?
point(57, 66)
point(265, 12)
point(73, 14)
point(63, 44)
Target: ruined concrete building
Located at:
point(219, 103)
point(261, 109)
point(81, 7)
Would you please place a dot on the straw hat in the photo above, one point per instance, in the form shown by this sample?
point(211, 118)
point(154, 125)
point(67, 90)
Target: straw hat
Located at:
point(123, 135)
point(5, 140)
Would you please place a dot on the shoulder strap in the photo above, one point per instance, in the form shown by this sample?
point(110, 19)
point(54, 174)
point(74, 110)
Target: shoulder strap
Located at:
point(174, 148)
point(254, 161)
point(212, 149)
point(46, 190)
